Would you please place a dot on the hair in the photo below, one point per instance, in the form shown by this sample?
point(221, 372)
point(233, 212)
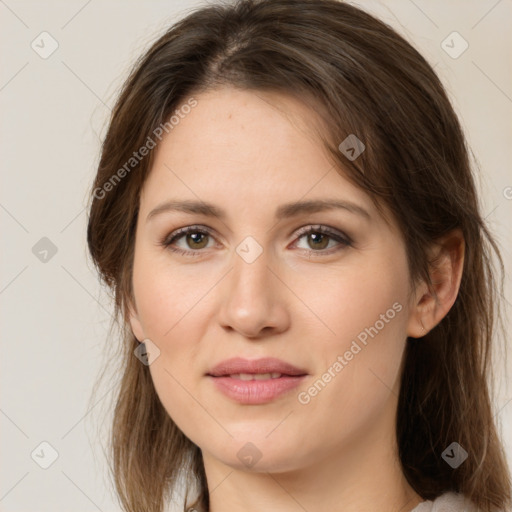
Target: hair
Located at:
point(365, 80)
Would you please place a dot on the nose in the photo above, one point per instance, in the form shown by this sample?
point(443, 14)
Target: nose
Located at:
point(254, 298)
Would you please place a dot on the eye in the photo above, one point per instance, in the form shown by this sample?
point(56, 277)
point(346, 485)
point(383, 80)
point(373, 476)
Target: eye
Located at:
point(319, 238)
point(196, 238)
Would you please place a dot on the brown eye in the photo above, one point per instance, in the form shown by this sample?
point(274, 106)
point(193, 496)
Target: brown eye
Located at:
point(196, 240)
point(321, 240)
point(319, 237)
point(318, 240)
point(193, 239)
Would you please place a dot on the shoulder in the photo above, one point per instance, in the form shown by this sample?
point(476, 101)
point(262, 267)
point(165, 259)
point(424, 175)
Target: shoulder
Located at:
point(447, 502)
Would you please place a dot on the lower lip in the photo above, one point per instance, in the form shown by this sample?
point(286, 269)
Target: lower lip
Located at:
point(256, 391)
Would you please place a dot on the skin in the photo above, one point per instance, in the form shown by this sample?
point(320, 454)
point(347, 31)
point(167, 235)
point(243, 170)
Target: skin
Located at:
point(248, 153)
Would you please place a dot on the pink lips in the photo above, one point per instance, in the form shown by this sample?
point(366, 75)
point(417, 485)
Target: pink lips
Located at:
point(264, 365)
point(255, 391)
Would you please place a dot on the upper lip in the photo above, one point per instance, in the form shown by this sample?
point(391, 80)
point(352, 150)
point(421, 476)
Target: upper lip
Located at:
point(238, 365)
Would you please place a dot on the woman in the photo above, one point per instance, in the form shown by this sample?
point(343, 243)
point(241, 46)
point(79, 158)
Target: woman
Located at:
point(285, 211)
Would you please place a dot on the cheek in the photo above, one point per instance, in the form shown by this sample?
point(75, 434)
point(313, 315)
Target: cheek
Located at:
point(172, 310)
point(168, 305)
point(165, 296)
point(347, 302)
point(365, 311)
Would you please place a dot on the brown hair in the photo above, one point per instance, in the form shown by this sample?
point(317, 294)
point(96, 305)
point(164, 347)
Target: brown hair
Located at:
point(374, 84)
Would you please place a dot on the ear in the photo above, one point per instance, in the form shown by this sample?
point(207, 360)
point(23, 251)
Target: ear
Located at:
point(135, 323)
point(432, 303)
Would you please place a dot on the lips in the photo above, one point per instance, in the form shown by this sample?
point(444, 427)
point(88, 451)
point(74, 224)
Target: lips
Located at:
point(255, 382)
point(267, 365)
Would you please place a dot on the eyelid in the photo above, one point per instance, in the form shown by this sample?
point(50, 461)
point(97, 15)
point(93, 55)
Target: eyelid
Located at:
point(335, 234)
point(199, 228)
point(179, 233)
point(324, 229)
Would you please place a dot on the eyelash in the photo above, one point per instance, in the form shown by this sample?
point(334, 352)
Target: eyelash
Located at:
point(343, 239)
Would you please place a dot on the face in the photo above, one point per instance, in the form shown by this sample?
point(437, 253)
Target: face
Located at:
point(325, 290)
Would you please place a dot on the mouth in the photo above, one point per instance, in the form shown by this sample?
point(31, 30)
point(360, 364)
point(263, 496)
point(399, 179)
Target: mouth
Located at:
point(256, 389)
point(255, 382)
point(256, 376)
point(259, 369)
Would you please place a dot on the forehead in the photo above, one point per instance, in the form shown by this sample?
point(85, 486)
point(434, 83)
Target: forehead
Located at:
point(252, 146)
point(260, 123)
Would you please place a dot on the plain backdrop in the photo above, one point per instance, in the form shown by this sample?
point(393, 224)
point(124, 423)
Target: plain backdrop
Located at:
point(54, 314)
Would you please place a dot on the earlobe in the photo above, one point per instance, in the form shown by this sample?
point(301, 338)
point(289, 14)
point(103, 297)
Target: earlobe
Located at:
point(434, 301)
point(135, 323)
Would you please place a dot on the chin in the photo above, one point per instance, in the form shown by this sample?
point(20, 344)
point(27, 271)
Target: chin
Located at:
point(254, 450)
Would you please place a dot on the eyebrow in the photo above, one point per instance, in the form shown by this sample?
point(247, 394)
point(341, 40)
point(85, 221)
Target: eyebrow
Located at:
point(284, 211)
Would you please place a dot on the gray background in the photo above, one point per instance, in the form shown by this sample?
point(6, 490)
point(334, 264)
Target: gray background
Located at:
point(54, 314)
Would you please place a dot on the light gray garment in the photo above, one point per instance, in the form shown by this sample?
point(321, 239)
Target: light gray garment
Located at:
point(447, 502)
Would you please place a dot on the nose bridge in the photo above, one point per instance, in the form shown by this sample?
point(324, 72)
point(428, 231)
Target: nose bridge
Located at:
point(251, 267)
point(252, 301)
